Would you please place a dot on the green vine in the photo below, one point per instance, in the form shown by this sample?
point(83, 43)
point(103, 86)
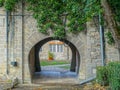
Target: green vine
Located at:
point(60, 16)
point(8, 4)
point(1, 2)
point(77, 12)
point(110, 39)
point(115, 5)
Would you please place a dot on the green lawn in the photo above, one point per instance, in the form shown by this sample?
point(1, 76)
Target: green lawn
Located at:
point(65, 67)
point(53, 62)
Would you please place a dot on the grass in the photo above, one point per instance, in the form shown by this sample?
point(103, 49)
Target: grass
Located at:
point(53, 62)
point(65, 67)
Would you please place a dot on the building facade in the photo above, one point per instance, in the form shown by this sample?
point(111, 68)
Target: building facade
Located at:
point(60, 50)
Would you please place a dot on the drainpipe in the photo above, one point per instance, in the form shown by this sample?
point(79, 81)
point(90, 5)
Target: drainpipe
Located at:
point(22, 42)
point(7, 31)
point(101, 30)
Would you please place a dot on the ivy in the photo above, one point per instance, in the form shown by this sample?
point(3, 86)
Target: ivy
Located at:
point(1, 2)
point(115, 5)
point(8, 4)
point(63, 16)
point(60, 16)
point(110, 39)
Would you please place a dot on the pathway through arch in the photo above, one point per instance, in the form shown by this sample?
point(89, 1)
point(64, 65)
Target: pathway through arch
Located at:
point(55, 74)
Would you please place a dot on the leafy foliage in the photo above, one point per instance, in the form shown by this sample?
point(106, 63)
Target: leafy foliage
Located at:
point(110, 39)
point(60, 16)
point(1, 2)
point(109, 74)
point(114, 75)
point(102, 75)
point(115, 5)
point(51, 55)
point(8, 4)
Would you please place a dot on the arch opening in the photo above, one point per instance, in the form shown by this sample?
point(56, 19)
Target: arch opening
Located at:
point(35, 60)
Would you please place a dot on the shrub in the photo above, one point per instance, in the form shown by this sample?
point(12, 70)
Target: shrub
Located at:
point(109, 75)
point(114, 75)
point(102, 75)
point(50, 56)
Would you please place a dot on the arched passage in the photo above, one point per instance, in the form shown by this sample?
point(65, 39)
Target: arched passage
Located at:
point(35, 62)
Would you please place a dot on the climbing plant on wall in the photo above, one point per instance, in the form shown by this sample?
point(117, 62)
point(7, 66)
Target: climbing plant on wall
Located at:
point(8, 4)
point(116, 10)
point(112, 17)
point(59, 16)
point(115, 5)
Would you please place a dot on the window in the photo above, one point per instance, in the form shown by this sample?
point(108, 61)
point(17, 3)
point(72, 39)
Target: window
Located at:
point(60, 48)
point(56, 47)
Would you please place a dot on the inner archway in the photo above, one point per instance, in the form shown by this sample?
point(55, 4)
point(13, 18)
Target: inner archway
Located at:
point(35, 66)
point(55, 55)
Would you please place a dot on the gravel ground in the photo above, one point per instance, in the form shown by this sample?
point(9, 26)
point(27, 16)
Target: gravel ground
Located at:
point(49, 87)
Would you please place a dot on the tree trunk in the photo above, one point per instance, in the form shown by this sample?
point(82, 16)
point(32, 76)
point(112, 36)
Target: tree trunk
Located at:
point(108, 15)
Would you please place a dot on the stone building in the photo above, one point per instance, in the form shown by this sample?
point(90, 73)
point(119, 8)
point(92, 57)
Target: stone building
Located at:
point(60, 50)
point(20, 42)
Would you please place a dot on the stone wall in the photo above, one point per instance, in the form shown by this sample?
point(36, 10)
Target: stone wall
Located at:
point(11, 51)
point(31, 61)
point(112, 53)
point(15, 44)
point(3, 43)
point(24, 35)
point(93, 53)
point(32, 37)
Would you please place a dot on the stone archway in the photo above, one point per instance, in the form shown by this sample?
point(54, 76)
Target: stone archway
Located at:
point(78, 47)
point(75, 62)
point(34, 62)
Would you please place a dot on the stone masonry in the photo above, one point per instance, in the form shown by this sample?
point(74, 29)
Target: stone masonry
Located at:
point(23, 35)
point(3, 42)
